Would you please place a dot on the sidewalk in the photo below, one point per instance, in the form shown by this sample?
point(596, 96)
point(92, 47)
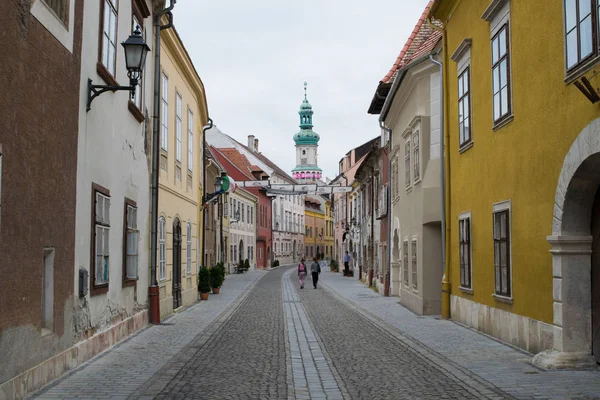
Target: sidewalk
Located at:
point(122, 370)
point(501, 365)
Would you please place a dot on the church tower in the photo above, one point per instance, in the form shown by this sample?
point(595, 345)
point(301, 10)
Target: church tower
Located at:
point(307, 142)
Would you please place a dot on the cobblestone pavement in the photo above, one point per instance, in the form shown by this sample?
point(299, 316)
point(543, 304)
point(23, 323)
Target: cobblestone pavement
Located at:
point(310, 374)
point(376, 362)
point(124, 369)
point(244, 358)
point(503, 366)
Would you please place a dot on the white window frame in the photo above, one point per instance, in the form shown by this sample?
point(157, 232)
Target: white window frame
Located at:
point(162, 249)
point(57, 28)
point(110, 23)
point(462, 58)
point(407, 164)
point(405, 259)
point(499, 207)
point(466, 216)
point(416, 153)
point(132, 234)
point(190, 144)
point(178, 127)
point(164, 116)
point(188, 250)
point(414, 258)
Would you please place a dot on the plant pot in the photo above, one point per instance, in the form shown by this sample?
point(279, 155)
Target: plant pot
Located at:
point(216, 290)
point(203, 296)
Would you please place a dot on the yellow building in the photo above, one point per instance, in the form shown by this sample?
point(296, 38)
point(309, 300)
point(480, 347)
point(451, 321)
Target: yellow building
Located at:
point(318, 237)
point(183, 114)
point(522, 156)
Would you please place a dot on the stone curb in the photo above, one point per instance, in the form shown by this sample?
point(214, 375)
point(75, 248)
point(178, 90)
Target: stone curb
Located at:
point(471, 382)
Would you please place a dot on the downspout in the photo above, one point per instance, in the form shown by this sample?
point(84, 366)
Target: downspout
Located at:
point(389, 209)
point(202, 225)
point(446, 281)
point(153, 290)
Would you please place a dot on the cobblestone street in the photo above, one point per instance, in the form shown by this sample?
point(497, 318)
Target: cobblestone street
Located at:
point(264, 338)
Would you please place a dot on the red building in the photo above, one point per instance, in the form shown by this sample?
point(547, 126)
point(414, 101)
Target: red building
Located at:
point(239, 168)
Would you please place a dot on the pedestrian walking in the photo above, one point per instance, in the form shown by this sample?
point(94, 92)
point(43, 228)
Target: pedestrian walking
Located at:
point(347, 264)
point(315, 269)
point(301, 273)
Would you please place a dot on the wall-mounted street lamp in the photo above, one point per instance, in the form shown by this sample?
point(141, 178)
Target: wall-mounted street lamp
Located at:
point(135, 58)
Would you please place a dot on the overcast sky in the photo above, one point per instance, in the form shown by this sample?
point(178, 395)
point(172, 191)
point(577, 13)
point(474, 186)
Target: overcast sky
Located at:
point(254, 56)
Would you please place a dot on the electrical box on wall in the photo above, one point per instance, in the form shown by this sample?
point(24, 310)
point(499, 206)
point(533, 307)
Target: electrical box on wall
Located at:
point(83, 282)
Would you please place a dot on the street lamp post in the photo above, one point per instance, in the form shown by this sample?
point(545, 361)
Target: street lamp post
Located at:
point(135, 59)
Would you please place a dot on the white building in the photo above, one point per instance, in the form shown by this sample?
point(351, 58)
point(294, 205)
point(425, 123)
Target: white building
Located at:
point(242, 228)
point(287, 210)
point(113, 174)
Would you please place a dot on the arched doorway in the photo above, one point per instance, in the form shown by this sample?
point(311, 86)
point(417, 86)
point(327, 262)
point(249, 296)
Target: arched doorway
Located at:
point(575, 256)
point(176, 263)
point(241, 251)
point(294, 251)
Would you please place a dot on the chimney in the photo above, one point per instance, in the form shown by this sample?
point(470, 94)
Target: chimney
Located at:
point(251, 142)
point(256, 145)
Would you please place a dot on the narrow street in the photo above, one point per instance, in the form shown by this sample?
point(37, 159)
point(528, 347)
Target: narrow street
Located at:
point(264, 338)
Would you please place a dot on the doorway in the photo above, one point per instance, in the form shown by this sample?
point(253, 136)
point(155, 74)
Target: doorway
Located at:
point(176, 264)
point(596, 278)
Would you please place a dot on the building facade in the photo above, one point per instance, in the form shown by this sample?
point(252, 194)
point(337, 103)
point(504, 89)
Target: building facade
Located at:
point(522, 249)
point(183, 114)
point(38, 185)
point(412, 112)
point(242, 228)
point(318, 235)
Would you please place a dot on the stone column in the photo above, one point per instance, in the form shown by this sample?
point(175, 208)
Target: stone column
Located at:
point(571, 271)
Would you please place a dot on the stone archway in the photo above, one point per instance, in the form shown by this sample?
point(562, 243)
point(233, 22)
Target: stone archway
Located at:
point(571, 251)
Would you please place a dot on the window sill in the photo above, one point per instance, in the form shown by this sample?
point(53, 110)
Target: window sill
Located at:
point(130, 282)
point(105, 75)
point(503, 122)
point(581, 70)
point(465, 147)
point(46, 332)
point(466, 290)
point(98, 290)
point(409, 189)
point(137, 113)
point(502, 299)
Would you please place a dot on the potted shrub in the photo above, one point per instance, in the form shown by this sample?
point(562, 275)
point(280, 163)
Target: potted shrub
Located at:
point(204, 283)
point(247, 264)
point(216, 279)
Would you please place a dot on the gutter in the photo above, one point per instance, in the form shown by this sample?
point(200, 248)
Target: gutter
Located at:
point(153, 290)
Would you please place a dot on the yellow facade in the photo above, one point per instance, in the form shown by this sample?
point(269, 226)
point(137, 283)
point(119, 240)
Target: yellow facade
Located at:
point(183, 103)
point(318, 221)
point(518, 162)
point(328, 239)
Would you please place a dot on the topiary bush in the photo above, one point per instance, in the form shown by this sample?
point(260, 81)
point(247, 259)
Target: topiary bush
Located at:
point(216, 277)
point(247, 264)
point(204, 280)
point(275, 264)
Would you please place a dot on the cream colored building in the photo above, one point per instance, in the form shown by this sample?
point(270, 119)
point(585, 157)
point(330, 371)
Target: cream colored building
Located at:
point(183, 114)
point(242, 228)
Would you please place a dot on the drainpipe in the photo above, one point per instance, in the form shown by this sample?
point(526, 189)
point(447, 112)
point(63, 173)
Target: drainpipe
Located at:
point(389, 211)
point(445, 264)
point(202, 226)
point(154, 290)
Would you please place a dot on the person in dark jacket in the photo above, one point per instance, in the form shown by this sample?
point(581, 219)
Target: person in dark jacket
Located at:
point(315, 270)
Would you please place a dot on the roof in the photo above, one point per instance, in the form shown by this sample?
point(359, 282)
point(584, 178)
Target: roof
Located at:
point(228, 155)
point(423, 39)
point(267, 161)
point(241, 161)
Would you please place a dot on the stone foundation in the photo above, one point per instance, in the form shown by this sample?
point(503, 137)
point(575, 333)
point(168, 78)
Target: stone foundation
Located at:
point(525, 333)
point(42, 374)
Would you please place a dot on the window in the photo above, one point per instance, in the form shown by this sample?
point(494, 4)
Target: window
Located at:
point(464, 229)
point(109, 35)
point(60, 8)
point(188, 250)
point(395, 177)
point(162, 249)
point(407, 163)
point(252, 215)
point(248, 214)
point(500, 74)
point(405, 261)
point(502, 250)
point(178, 126)
point(464, 108)
point(243, 211)
point(100, 241)
point(580, 32)
point(131, 236)
point(414, 264)
point(190, 143)
point(416, 157)
point(164, 118)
